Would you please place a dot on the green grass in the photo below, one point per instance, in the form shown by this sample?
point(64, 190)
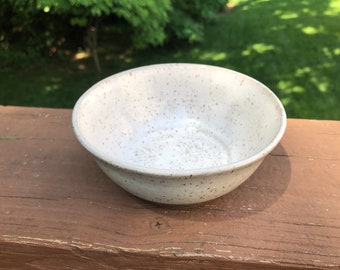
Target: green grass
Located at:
point(291, 46)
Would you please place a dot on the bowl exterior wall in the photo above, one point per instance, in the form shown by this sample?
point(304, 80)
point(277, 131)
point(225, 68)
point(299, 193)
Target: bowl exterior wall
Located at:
point(181, 190)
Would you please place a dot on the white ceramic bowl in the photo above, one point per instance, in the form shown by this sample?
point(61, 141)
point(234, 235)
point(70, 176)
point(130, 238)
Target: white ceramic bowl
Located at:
point(179, 133)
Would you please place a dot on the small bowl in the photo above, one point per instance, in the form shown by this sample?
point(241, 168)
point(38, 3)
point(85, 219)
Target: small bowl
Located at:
point(179, 133)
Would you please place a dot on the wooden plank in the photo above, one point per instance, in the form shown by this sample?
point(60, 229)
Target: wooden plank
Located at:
point(59, 211)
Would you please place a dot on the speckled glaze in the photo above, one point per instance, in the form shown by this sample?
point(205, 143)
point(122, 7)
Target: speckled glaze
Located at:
point(179, 133)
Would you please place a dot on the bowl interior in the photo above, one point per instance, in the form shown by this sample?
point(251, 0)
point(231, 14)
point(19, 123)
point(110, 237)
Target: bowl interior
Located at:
point(178, 117)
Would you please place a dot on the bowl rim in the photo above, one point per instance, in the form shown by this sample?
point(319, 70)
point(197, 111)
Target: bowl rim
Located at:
point(175, 173)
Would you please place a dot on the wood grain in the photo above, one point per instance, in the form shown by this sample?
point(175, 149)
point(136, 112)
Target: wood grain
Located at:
point(59, 211)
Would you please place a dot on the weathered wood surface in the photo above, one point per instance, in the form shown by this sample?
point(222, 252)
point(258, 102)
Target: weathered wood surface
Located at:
point(59, 211)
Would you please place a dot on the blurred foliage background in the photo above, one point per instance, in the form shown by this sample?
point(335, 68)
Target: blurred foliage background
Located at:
point(51, 51)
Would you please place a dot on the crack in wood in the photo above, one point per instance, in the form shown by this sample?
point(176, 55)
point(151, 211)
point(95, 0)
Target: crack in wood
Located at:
point(28, 197)
point(10, 138)
point(305, 157)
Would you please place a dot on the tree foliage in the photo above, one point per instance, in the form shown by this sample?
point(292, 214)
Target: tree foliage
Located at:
point(147, 17)
point(24, 35)
point(39, 26)
point(186, 17)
